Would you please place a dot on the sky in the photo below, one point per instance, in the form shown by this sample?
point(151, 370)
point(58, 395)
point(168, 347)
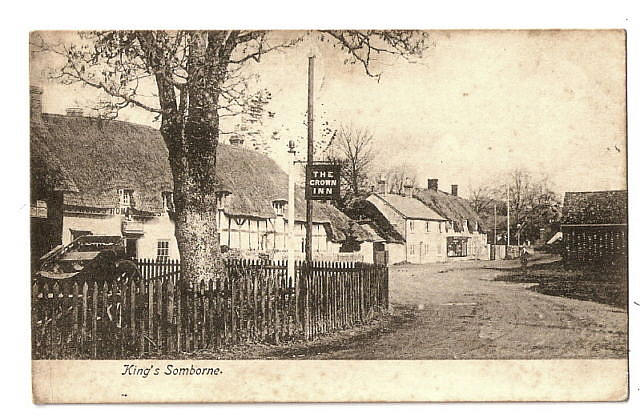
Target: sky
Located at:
point(477, 105)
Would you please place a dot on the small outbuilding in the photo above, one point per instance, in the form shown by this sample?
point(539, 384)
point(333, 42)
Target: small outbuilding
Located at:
point(594, 227)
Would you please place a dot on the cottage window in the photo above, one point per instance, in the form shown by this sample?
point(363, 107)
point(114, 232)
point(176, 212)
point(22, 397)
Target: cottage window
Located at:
point(125, 197)
point(426, 226)
point(278, 206)
point(411, 225)
point(77, 233)
point(440, 227)
point(39, 209)
point(220, 199)
point(167, 201)
point(163, 251)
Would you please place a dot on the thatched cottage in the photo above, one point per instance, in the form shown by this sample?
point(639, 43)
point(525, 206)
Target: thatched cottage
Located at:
point(92, 176)
point(594, 227)
point(426, 225)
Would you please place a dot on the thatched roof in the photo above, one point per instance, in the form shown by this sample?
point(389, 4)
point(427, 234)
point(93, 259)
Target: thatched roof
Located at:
point(47, 172)
point(370, 228)
point(595, 207)
point(375, 218)
point(98, 157)
point(102, 156)
point(453, 208)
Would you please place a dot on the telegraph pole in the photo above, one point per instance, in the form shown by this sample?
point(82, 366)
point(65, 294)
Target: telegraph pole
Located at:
point(308, 248)
point(495, 225)
point(508, 221)
point(291, 215)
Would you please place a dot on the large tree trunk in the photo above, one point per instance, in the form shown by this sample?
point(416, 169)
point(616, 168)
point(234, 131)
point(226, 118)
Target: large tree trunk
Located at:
point(196, 234)
point(195, 207)
point(193, 164)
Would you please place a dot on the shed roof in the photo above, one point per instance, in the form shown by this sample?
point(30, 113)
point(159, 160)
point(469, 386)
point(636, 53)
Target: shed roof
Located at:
point(595, 207)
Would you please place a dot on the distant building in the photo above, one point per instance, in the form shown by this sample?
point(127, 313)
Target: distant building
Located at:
point(594, 227)
point(92, 176)
point(425, 225)
point(466, 234)
point(422, 230)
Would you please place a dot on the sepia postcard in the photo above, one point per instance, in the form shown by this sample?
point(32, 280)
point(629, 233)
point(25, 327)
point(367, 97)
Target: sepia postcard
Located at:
point(328, 216)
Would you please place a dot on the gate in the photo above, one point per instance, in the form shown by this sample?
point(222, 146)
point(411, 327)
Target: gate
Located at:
point(381, 257)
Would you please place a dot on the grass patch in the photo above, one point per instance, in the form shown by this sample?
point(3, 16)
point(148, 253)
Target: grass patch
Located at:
point(601, 285)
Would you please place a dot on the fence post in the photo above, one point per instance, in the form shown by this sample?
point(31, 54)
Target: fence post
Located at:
point(219, 324)
point(178, 301)
point(254, 295)
point(76, 318)
point(161, 325)
point(118, 306)
point(94, 321)
point(132, 316)
point(193, 309)
point(171, 334)
point(207, 314)
point(296, 277)
point(35, 339)
point(105, 327)
point(234, 327)
point(141, 330)
point(306, 272)
point(276, 305)
point(386, 288)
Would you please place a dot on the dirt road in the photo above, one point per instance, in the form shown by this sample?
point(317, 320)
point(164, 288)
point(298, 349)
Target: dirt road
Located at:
point(458, 311)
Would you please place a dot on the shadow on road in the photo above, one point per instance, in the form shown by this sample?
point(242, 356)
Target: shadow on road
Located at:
point(602, 285)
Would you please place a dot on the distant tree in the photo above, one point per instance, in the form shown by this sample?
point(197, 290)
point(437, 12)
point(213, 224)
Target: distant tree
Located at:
point(482, 198)
point(397, 176)
point(352, 149)
point(190, 80)
point(532, 202)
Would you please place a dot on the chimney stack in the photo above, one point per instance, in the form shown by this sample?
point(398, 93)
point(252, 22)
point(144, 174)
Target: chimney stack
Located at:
point(432, 184)
point(454, 190)
point(382, 186)
point(35, 103)
point(407, 189)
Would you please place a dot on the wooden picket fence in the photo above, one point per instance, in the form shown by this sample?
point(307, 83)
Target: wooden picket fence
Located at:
point(158, 314)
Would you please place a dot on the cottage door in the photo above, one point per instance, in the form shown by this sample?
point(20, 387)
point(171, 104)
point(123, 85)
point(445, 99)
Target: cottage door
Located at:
point(131, 248)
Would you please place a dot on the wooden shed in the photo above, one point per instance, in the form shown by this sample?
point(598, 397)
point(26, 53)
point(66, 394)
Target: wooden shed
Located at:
point(594, 227)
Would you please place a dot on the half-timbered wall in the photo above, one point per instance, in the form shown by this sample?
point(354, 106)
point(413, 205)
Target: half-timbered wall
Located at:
point(244, 233)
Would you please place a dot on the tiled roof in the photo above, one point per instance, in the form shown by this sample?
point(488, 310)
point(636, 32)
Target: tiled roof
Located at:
point(595, 207)
point(410, 207)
